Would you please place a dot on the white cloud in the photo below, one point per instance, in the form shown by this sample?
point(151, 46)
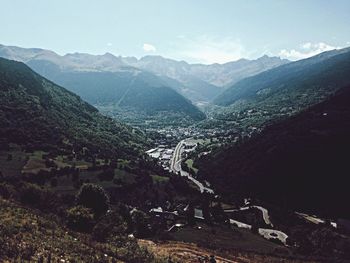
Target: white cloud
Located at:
point(306, 50)
point(307, 45)
point(149, 48)
point(109, 44)
point(208, 50)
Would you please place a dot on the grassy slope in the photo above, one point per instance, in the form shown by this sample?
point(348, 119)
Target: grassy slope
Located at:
point(29, 234)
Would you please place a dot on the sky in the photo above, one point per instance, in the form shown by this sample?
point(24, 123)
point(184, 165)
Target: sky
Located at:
point(197, 31)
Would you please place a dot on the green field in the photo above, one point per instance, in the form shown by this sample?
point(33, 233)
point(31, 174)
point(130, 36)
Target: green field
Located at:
point(189, 162)
point(159, 179)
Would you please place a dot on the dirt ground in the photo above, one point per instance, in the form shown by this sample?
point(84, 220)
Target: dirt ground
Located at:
point(190, 253)
point(183, 252)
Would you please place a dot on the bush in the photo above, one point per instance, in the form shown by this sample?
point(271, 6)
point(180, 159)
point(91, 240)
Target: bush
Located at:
point(140, 222)
point(106, 175)
point(7, 191)
point(53, 182)
point(94, 197)
point(80, 218)
point(31, 194)
point(110, 226)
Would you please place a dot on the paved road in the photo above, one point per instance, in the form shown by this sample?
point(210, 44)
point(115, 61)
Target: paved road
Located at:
point(265, 213)
point(240, 224)
point(175, 162)
point(314, 219)
point(264, 232)
point(175, 166)
point(272, 233)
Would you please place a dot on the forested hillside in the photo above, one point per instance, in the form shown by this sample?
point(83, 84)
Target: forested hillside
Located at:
point(300, 163)
point(38, 114)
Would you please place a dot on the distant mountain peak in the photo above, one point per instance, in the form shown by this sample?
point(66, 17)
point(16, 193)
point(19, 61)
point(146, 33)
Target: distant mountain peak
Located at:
point(110, 55)
point(196, 82)
point(265, 57)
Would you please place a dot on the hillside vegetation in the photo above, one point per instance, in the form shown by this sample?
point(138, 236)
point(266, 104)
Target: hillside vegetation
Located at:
point(127, 89)
point(29, 235)
point(300, 163)
point(39, 114)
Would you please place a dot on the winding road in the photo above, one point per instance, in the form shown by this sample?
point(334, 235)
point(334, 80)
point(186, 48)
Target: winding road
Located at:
point(175, 166)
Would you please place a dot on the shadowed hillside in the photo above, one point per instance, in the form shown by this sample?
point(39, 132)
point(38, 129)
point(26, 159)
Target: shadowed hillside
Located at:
point(301, 163)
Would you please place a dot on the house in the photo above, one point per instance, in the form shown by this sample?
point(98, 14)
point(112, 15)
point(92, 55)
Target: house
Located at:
point(198, 214)
point(189, 145)
point(158, 212)
point(166, 157)
point(151, 150)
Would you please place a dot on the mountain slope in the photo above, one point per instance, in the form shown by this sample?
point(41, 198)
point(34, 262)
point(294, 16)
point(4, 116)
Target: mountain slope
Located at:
point(39, 114)
point(128, 89)
point(204, 82)
point(301, 162)
point(191, 86)
point(107, 80)
point(316, 76)
point(225, 75)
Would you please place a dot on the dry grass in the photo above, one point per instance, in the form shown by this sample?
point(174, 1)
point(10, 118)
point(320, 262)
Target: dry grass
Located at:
point(27, 234)
point(189, 253)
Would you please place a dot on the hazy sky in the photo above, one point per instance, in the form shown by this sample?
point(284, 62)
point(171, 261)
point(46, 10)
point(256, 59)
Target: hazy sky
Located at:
point(204, 31)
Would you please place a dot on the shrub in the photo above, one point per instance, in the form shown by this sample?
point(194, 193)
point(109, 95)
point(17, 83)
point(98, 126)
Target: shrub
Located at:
point(80, 218)
point(110, 226)
point(106, 175)
point(35, 196)
point(53, 182)
point(140, 222)
point(94, 197)
point(6, 190)
point(31, 194)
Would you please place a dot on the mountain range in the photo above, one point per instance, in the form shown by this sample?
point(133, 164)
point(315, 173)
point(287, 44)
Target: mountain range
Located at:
point(283, 91)
point(107, 81)
point(197, 82)
point(322, 73)
point(201, 82)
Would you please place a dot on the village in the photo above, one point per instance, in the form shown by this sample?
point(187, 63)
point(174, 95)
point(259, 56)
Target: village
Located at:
point(171, 157)
point(171, 150)
point(168, 138)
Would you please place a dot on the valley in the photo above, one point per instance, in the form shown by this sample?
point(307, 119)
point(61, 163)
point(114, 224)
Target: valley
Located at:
point(242, 177)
